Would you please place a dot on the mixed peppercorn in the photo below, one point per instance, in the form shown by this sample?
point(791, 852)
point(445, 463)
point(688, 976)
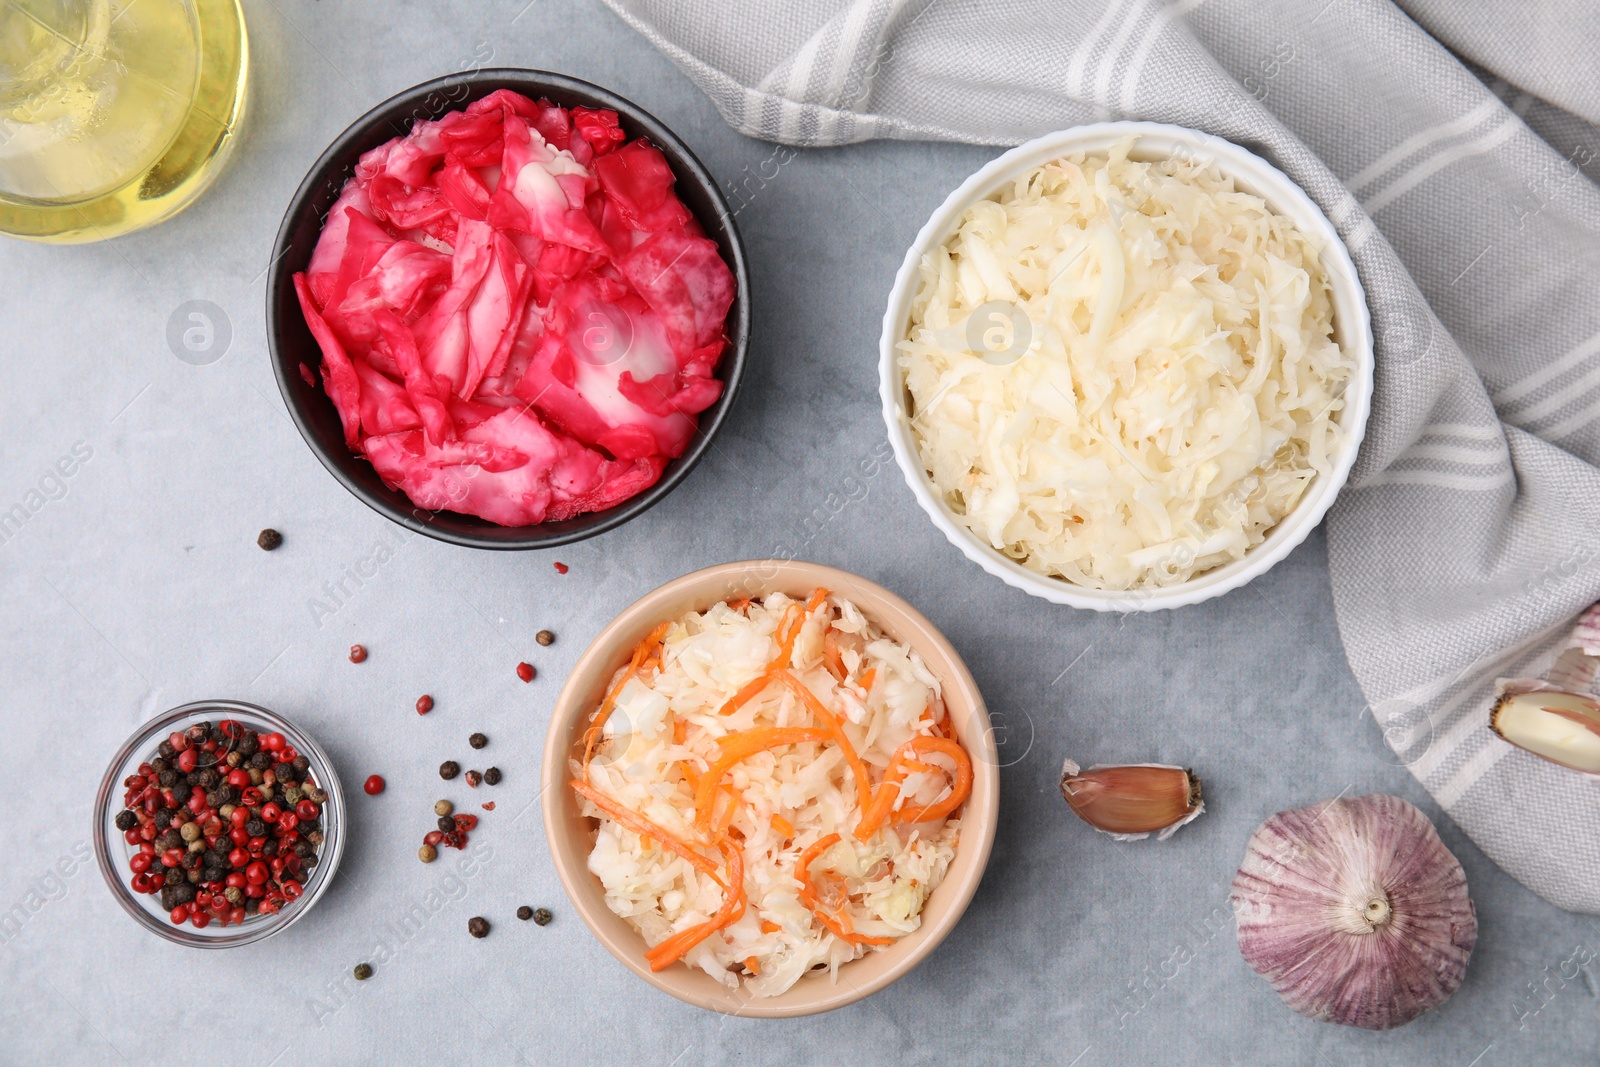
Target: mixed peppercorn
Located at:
point(226, 821)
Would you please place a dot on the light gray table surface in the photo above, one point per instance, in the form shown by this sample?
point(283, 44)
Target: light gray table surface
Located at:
point(141, 588)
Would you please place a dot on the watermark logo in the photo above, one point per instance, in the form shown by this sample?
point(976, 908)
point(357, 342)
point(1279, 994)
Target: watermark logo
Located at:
point(999, 332)
point(199, 332)
point(601, 333)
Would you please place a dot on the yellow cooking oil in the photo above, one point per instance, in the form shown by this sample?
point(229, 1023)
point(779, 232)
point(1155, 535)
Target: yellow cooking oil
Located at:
point(114, 114)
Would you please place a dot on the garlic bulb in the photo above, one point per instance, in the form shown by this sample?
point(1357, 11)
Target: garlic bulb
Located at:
point(1355, 911)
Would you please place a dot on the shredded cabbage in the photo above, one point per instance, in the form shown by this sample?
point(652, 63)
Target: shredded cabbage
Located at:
point(664, 733)
point(1123, 373)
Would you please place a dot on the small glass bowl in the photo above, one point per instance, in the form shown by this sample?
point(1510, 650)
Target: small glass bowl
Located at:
point(113, 852)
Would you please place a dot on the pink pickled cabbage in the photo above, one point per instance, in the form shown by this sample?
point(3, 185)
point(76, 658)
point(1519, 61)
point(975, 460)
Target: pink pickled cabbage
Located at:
point(518, 318)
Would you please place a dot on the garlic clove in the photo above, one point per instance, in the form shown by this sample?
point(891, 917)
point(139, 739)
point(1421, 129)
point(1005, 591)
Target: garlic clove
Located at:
point(1132, 802)
point(1355, 911)
point(1563, 728)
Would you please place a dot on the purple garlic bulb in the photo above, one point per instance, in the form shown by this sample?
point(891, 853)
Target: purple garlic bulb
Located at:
point(1355, 911)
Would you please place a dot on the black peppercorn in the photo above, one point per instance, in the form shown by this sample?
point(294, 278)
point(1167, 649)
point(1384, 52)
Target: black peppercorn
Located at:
point(524, 913)
point(216, 798)
point(169, 898)
point(543, 916)
point(492, 776)
point(218, 734)
point(213, 874)
point(213, 858)
point(302, 764)
point(209, 778)
point(447, 824)
point(261, 760)
point(191, 779)
point(478, 926)
point(126, 820)
point(193, 861)
point(158, 764)
point(363, 971)
point(182, 892)
point(193, 876)
point(251, 905)
point(477, 740)
point(255, 828)
point(165, 749)
point(167, 778)
point(303, 849)
point(270, 848)
point(309, 861)
point(449, 769)
point(163, 818)
point(269, 539)
point(170, 839)
point(248, 745)
point(285, 773)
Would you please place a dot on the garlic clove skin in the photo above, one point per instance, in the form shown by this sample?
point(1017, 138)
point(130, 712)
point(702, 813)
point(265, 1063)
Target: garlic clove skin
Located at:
point(1355, 911)
point(1133, 801)
point(1563, 728)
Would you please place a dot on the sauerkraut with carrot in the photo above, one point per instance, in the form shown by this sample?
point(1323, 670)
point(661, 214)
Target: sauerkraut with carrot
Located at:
point(777, 785)
point(1124, 373)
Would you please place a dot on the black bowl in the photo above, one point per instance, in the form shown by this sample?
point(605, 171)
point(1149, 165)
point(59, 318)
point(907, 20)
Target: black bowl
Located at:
point(290, 344)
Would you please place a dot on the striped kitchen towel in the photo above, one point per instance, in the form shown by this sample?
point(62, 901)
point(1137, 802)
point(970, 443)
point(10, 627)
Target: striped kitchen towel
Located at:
point(1454, 143)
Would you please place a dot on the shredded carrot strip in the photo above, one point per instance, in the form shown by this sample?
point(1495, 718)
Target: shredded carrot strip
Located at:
point(836, 728)
point(752, 965)
point(739, 604)
point(881, 808)
point(647, 649)
point(632, 820)
point(728, 812)
point(740, 746)
point(867, 678)
point(783, 826)
point(833, 657)
point(678, 945)
point(769, 927)
point(839, 925)
point(788, 629)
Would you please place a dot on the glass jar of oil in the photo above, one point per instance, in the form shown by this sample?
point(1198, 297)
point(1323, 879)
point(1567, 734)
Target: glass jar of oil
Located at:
point(114, 114)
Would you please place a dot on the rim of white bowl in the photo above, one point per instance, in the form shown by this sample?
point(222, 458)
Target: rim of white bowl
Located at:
point(1352, 330)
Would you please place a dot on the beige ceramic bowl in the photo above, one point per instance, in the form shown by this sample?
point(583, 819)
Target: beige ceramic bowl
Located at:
point(571, 836)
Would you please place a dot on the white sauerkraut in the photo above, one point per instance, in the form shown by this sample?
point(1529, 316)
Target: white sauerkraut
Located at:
point(671, 720)
point(1123, 374)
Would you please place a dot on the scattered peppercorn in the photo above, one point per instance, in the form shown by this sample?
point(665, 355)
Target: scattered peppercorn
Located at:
point(373, 785)
point(526, 672)
point(358, 653)
point(444, 807)
point(126, 820)
point(446, 824)
point(478, 926)
point(473, 778)
point(492, 776)
point(524, 913)
point(543, 916)
point(427, 853)
point(363, 971)
point(545, 637)
point(561, 568)
point(424, 704)
point(269, 539)
point(488, 805)
point(477, 740)
point(449, 769)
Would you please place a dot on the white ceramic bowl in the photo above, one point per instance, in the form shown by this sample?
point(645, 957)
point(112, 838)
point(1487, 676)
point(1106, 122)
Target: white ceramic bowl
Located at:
point(1352, 330)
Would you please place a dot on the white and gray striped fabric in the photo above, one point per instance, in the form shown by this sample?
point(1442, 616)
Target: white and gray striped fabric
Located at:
point(1454, 143)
